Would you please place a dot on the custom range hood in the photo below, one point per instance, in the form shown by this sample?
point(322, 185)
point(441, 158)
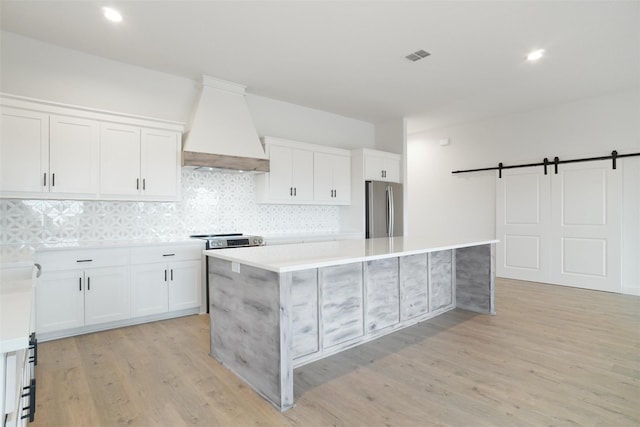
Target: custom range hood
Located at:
point(222, 135)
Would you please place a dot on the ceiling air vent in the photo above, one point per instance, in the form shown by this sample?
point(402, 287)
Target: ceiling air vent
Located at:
point(417, 55)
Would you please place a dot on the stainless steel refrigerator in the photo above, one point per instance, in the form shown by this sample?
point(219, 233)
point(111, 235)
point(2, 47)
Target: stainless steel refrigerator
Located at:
point(384, 209)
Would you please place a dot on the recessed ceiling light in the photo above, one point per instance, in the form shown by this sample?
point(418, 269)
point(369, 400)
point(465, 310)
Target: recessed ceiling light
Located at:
point(535, 55)
point(111, 14)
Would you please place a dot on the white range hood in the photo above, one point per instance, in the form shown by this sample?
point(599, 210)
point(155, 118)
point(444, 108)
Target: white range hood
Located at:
point(222, 134)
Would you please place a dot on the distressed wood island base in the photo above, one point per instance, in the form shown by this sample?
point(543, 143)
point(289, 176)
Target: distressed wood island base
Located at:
point(275, 308)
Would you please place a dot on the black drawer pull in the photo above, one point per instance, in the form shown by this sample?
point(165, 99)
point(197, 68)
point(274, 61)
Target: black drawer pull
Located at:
point(168, 254)
point(84, 260)
point(33, 345)
point(32, 401)
point(165, 275)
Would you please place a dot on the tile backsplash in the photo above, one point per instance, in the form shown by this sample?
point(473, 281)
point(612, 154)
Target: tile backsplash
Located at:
point(212, 202)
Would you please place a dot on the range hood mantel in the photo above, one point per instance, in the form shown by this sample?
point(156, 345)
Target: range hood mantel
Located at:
point(222, 134)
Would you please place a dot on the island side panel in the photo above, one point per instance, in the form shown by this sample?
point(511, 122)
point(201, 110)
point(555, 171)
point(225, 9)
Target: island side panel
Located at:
point(414, 286)
point(475, 278)
point(440, 280)
point(304, 312)
point(382, 293)
point(342, 311)
point(246, 334)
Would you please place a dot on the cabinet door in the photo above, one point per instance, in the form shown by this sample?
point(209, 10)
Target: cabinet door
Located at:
point(414, 286)
point(323, 177)
point(302, 177)
point(440, 280)
point(342, 303)
point(185, 287)
point(149, 289)
point(342, 179)
point(382, 293)
point(160, 163)
point(392, 170)
point(304, 312)
point(374, 168)
point(24, 151)
point(119, 160)
point(59, 301)
point(106, 295)
point(380, 168)
point(74, 155)
point(280, 172)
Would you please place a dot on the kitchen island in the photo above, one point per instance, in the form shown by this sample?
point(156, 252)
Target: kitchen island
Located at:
point(275, 308)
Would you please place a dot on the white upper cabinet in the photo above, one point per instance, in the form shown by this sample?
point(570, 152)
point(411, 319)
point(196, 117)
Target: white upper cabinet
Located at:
point(42, 154)
point(138, 163)
point(50, 151)
point(332, 178)
point(301, 173)
point(119, 160)
point(73, 155)
point(381, 166)
point(160, 163)
point(24, 151)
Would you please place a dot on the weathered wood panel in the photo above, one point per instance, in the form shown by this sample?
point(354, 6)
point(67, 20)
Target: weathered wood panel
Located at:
point(414, 286)
point(246, 312)
point(382, 293)
point(475, 278)
point(342, 303)
point(304, 312)
point(441, 291)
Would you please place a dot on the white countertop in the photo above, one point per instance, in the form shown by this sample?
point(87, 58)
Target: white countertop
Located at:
point(16, 308)
point(303, 256)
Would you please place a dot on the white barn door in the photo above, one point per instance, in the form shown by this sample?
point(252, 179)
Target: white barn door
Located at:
point(562, 229)
point(522, 218)
point(586, 203)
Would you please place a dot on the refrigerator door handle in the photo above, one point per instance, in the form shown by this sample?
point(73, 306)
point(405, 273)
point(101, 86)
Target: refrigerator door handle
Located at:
point(388, 213)
point(392, 213)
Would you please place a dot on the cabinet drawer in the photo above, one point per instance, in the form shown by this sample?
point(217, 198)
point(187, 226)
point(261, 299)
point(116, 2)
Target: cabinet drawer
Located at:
point(166, 253)
point(81, 259)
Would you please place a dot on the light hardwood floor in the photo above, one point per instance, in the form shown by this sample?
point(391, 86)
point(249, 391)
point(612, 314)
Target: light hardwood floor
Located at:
point(551, 356)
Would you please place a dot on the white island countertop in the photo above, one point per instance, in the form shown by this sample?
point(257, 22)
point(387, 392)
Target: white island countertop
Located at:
point(304, 256)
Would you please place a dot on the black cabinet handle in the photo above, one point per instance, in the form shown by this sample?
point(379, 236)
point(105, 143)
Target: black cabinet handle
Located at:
point(168, 254)
point(172, 274)
point(80, 284)
point(291, 191)
point(88, 283)
point(137, 183)
point(32, 401)
point(165, 275)
point(33, 345)
point(144, 183)
point(53, 179)
point(84, 260)
point(45, 179)
point(295, 191)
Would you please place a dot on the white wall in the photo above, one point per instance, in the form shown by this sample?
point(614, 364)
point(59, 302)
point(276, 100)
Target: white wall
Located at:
point(463, 206)
point(40, 70)
point(294, 122)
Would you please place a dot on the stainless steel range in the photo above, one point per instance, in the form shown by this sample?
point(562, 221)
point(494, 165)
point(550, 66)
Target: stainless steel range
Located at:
point(233, 240)
point(225, 241)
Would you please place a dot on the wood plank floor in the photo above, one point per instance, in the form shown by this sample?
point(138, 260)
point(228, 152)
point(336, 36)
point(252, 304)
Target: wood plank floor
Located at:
point(552, 356)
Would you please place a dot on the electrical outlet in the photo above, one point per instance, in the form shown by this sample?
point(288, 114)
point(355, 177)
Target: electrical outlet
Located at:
point(235, 267)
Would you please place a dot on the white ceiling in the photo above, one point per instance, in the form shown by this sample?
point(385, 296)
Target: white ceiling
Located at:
point(348, 57)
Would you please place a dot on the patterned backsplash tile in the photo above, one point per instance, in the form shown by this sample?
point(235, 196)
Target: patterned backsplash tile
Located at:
point(212, 202)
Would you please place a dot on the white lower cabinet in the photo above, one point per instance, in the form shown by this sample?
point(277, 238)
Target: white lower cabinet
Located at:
point(165, 279)
point(92, 289)
point(73, 298)
point(159, 288)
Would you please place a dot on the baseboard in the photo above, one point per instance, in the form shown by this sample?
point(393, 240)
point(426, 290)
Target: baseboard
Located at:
point(631, 290)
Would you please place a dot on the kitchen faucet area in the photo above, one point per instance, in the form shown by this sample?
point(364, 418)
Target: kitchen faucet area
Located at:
point(223, 213)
